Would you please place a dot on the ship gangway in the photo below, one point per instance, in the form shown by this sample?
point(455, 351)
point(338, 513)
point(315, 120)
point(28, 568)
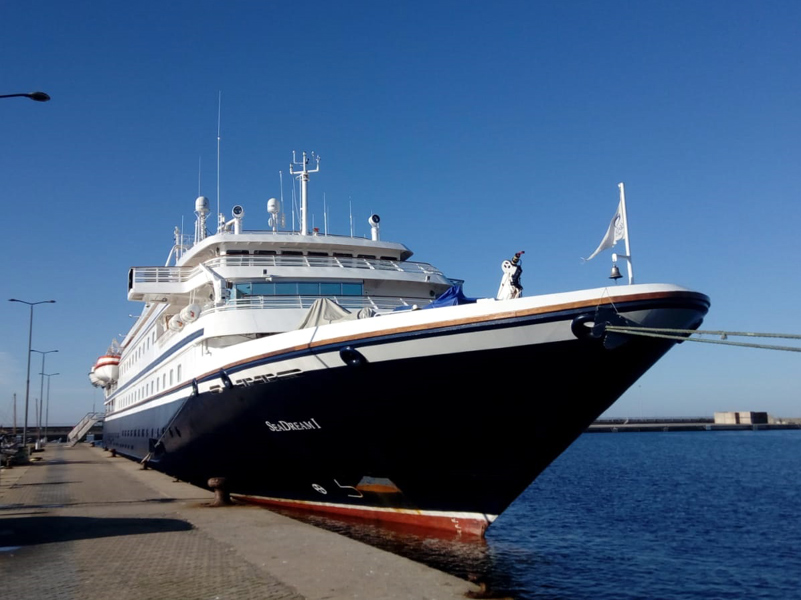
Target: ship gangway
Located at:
point(82, 428)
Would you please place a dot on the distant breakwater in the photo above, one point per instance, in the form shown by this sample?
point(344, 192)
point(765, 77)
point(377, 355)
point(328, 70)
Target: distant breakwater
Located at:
point(685, 424)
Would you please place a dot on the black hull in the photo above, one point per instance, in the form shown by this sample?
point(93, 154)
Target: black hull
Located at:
point(457, 434)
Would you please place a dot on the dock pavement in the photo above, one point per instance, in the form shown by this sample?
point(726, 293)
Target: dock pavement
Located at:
point(80, 524)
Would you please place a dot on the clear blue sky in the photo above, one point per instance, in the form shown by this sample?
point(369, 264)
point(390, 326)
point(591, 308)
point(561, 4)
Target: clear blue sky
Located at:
point(475, 129)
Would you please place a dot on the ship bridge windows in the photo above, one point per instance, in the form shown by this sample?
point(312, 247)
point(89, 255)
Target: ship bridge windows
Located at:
point(297, 288)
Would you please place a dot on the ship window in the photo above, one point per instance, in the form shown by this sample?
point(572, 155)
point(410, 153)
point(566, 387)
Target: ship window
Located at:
point(265, 252)
point(318, 254)
point(291, 253)
point(389, 258)
point(236, 252)
point(170, 376)
point(263, 289)
point(297, 288)
point(178, 374)
point(366, 256)
point(286, 289)
point(164, 381)
point(343, 254)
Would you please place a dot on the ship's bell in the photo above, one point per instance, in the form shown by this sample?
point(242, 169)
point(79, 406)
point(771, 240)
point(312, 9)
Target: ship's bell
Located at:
point(615, 273)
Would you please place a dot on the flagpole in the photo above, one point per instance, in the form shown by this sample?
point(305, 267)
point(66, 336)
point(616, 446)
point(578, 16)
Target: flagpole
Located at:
point(626, 232)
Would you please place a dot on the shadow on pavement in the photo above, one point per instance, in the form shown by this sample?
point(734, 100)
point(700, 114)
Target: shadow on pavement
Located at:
point(28, 531)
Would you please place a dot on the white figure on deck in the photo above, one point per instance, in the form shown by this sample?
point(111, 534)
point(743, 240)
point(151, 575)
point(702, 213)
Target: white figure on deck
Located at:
point(510, 282)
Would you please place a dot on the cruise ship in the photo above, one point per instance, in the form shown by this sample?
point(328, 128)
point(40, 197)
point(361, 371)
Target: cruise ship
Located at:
point(333, 374)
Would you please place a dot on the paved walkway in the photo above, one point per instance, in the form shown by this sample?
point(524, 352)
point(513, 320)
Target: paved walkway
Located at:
point(81, 525)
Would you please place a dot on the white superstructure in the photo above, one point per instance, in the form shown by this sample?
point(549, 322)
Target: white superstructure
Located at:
point(235, 285)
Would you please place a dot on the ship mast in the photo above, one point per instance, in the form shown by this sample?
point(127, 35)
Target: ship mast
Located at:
point(303, 176)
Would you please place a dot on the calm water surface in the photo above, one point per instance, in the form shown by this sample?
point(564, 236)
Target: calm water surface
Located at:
point(638, 515)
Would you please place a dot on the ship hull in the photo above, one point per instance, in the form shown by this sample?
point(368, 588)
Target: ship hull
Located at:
point(441, 425)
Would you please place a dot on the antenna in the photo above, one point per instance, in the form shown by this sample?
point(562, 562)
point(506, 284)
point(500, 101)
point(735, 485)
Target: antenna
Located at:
point(325, 216)
point(350, 210)
point(219, 107)
point(303, 178)
point(283, 212)
point(199, 159)
point(293, 206)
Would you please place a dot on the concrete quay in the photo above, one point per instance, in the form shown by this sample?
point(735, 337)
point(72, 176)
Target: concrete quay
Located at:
point(81, 524)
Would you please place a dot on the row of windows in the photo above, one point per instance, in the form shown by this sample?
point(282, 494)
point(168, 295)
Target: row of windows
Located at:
point(143, 347)
point(152, 433)
point(150, 387)
point(297, 288)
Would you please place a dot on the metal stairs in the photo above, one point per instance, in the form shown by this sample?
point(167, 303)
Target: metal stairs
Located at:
point(82, 428)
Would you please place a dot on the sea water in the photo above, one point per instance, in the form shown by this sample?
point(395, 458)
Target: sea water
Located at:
point(638, 515)
point(658, 515)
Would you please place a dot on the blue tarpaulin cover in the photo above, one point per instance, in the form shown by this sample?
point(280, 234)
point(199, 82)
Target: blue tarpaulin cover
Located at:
point(451, 297)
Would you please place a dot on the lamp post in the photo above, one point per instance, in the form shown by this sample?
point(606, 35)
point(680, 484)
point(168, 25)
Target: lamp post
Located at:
point(28, 376)
point(37, 96)
point(47, 410)
point(41, 395)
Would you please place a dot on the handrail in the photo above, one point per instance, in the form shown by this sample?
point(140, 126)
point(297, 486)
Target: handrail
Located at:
point(377, 303)
point(182, 274)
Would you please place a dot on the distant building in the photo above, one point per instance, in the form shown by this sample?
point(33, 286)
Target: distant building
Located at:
point(741, 418)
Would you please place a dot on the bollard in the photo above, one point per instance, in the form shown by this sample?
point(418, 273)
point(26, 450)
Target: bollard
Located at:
point(113, 452)
point(221, 496)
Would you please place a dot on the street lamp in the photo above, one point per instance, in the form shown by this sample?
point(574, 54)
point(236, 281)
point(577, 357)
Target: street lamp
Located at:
point(41, 395)
point(28, 376)
point(47, 410)
point(37, 96)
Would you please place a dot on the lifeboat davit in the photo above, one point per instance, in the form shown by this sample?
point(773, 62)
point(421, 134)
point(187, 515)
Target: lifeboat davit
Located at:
point(106, 370)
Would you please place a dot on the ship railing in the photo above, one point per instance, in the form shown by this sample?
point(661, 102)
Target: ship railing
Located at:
point(342, 262)
point(163, 274)
point(352, 303)
point(183, 274)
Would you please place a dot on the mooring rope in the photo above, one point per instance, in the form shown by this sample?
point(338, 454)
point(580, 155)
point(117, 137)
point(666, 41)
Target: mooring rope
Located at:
point(683, 335)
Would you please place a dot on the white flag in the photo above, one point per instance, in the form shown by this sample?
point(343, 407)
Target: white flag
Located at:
point(615, 233)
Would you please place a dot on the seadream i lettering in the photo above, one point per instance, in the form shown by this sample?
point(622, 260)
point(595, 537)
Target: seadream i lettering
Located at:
point(293, 425)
